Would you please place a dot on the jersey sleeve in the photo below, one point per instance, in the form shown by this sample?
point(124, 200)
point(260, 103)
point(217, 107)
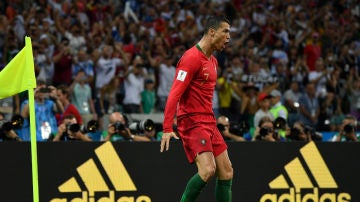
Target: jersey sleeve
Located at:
point(185, 71)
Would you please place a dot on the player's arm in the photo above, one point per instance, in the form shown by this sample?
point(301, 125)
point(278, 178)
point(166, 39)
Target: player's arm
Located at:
point(184, 74)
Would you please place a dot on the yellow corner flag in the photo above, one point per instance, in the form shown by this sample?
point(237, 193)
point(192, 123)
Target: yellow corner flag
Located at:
point(18, 75)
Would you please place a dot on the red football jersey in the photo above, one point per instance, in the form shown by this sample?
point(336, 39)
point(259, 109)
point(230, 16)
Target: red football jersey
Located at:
point(193, 87)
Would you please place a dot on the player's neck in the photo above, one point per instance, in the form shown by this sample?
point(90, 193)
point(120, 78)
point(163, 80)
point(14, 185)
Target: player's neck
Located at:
point(205, 47)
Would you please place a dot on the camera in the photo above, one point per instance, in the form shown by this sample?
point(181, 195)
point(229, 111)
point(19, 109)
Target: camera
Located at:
point(294, 134)
point(92, 126)
point(265, 131)
point(144, 125)
point(119, 126)
point(221, 127)
point(73, 127)
point(238, 129)
point(45, 90)
point(6, 126)
point(280, 123)
point(16, 122)
point(348, 128)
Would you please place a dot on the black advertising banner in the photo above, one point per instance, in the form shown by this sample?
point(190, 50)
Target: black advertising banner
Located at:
point(15, 170)
point(138, 172)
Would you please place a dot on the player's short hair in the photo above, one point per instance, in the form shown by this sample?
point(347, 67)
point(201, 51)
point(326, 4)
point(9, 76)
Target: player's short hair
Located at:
point(214, 22)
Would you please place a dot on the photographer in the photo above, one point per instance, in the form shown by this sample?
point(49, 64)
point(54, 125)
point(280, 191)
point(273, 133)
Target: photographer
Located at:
point(299, 132)
point(7, 128)
point(47, 105)
point(70, 130)
point(223, 125)
point(347, 131)
point(119, 131)
point(146, 128)
point(265, 131)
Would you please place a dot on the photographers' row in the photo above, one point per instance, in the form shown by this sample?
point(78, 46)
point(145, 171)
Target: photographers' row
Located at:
point(118, 129)
point(278, 130)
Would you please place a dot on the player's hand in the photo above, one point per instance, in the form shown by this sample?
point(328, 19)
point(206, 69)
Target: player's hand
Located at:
point(165, 140)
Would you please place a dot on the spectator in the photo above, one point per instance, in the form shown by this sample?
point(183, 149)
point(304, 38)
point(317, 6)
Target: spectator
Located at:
point(107, 104)
point(278, 56)
point(134, 85)
point(299, 72)
point(223, 124)
point(118, 130)
point(319, 76)
point(251, 105)
point(7, 129)
point(291, 102)
point(43, 63)
point(47, 105)
point(348, 131)
point(63, 60)
point(105, 67)
point(64, 95)
point(299, 132)
point(265, 130)
point(225, 92)
point(83, 62)
point(70, 130)
point(263, 100)
point(74, 33)
point(353, 90)
point(81, 97)
point(148, 97)
point(312, 51)
point(7, 107)
point(166, 71)
point(309, 106)
point(277, 108)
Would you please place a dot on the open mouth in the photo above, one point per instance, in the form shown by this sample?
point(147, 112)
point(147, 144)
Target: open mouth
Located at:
point(226, 44)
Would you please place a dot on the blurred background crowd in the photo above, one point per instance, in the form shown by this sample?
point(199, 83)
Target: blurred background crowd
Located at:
point(290, 63)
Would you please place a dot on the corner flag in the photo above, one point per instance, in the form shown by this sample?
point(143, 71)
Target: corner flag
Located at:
point(17, 76)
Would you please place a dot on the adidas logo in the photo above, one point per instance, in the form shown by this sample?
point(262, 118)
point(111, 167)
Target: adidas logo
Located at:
point(94, 181)
point(306, 176)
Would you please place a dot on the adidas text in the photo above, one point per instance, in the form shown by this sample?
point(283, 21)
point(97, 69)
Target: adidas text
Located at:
point(110, 198)
point(308, 197)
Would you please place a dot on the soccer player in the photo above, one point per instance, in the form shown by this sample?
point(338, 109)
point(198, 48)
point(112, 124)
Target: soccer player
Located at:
point(190, 99)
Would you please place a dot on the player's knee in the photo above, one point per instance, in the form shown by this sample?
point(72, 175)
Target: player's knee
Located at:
point(207, 172)
point(229, 173)
point(225, 173)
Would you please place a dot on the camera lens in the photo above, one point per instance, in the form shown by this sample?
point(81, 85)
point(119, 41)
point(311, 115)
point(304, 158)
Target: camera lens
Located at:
point(119, 126)
point(92, 126)
point(349, 128)
point(147, 125)
point(6, 125)
point(265, 131)
point(75, 127)
point(221, 127)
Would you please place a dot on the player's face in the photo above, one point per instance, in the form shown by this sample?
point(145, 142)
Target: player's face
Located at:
point(222, 36)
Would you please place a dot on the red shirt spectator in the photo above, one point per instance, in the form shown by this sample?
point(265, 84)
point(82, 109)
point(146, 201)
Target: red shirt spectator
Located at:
point(62, 64)
point(312, 52)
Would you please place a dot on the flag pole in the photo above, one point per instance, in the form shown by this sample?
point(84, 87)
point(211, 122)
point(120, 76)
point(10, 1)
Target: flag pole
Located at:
point(34, 162)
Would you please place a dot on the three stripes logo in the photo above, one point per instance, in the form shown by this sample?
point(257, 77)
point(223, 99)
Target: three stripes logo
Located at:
point(299, 185)
point(94, 181)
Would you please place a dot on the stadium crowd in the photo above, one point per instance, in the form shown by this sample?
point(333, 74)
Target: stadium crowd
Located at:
point(294, 62)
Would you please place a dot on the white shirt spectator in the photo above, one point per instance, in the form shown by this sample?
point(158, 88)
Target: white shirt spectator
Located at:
point(134, 85)
point(166, 76)
point(105, 70)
